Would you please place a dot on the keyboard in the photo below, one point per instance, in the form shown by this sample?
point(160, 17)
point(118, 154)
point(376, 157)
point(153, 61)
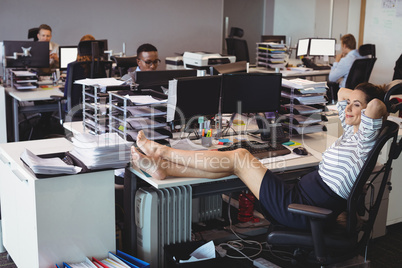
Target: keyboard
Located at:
point(310, 64)
point(258, 150)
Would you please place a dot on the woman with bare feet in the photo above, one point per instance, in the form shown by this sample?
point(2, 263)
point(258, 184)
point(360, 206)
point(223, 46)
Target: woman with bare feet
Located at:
point(361, 112)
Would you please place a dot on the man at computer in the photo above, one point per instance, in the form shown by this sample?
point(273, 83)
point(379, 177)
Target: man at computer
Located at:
point(45, 35)
point(147, 60)
point(344, 61)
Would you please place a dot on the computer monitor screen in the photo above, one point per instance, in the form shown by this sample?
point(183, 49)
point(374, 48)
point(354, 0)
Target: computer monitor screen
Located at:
point(251, 93)
point(26, 54)
point(322, 47)
point(195, 96)
point(67, 54)
point(274, 39)
point(160, 78)
point(302, 47)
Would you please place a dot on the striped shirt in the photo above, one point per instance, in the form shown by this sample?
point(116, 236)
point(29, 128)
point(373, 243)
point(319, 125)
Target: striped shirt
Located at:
point(342, 162)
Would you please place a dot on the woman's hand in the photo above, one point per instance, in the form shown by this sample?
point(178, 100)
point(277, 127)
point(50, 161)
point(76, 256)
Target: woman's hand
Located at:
point(376, 109)
point(343, 93)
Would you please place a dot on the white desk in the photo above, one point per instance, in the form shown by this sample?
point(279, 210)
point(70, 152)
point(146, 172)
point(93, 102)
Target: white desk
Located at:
point(37, 94)
point(51, 220)
point(293, 74)
point(315, 144)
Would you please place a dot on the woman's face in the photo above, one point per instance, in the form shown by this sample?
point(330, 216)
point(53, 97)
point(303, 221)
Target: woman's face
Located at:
point(356, 103)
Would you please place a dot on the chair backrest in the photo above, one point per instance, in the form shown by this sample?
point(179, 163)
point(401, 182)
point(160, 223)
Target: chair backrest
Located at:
point(124, 63)
point(238, 48)
point(360, 72)
point(81, 70)
point(33, 33)
point(367, 50)
point(398, 69)
point(389, 131)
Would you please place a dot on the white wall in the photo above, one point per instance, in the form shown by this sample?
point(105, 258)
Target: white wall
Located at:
point(294, 18)
point(173, 26)
point(383, 28)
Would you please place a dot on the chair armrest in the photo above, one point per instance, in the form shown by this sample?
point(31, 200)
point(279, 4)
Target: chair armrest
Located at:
point(310, 211)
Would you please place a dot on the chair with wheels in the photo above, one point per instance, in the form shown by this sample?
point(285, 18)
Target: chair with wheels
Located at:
point(334, 242)
point(359, 72)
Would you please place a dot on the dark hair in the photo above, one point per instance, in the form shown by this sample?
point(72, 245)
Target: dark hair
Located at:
point(44, 27)
point(145, 48)
point(371, 91)
point(349, 40)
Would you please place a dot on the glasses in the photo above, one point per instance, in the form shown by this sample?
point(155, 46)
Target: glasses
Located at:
point(150, 62)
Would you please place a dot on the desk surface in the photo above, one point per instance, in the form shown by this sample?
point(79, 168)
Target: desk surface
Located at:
point(36, 94)
point(289, 73)
point(315, 143)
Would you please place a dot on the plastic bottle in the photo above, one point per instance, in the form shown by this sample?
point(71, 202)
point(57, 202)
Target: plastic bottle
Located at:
point(246, 206)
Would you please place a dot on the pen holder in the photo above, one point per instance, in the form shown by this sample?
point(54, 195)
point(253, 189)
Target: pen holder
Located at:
point(206, 141)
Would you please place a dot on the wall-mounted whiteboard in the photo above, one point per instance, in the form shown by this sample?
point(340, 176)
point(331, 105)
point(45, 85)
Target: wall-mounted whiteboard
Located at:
point(383, 27)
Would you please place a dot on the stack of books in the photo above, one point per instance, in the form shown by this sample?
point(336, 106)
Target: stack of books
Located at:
point(118, 260)
point(102, 151)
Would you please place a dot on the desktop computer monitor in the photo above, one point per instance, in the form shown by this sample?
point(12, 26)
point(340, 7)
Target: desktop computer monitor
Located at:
point(195, 96)
point(302, 47)
point(160, 78)
point(251, 92)
point(26, 54)
point(67, 54)
point(322, 47)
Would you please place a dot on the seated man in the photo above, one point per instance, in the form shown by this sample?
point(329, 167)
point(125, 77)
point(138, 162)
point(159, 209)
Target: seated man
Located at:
point(344, 61)
point(45, 34)
point(147, 60)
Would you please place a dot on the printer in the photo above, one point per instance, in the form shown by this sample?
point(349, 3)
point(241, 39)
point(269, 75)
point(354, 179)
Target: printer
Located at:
point(203, 60)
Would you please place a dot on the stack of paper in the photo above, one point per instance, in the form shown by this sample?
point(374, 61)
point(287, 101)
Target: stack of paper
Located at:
point(305, 86)
point(102, 151)
point(144, 100)
point(47, 165)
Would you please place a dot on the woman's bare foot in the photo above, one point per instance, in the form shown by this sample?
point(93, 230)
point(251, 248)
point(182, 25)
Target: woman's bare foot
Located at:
point(151, 165)
point(150, 148)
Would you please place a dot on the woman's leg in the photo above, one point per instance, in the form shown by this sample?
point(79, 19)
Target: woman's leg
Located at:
point(238, 162)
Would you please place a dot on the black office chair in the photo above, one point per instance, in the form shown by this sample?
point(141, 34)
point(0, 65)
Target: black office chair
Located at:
point(33, 34)
point(237, 47)
point(335, 242)
point(81, 70)
point(124, 63)
point(359, 72)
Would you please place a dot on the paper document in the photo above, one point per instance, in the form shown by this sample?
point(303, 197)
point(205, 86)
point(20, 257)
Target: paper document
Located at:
point(205, 252)
point(144, 100)
point(23, 73)
point(102, 82)
point(186, 144)
point(47, 165)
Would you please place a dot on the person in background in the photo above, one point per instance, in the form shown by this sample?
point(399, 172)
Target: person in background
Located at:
point(147, 60)
point(361, 112)
point(343, 62)
point(45, 35)
point(86, 37)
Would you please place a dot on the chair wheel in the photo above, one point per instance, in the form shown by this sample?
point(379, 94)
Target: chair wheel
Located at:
point(9, 258)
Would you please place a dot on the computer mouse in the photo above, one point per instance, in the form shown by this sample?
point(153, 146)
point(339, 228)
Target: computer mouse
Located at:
point(300, 151)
